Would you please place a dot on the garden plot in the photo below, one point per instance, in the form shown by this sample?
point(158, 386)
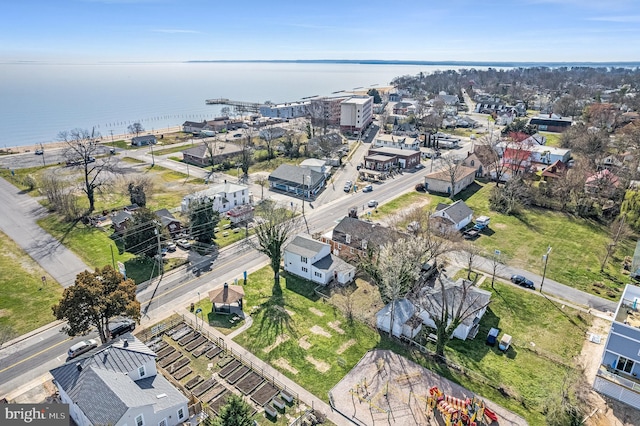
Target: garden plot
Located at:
point(229, 368)
point(249, 383)
point(195, 344)
point(193, 382)
point(166, 352)
point(182, 373)
point(178, 364)
point(213, 352)
point(219, 402)
point(213, 393)
point(188, 338)
point(181, 332)
point(203, 387)
point(203, 349)
point(237, 374)
point(170, 359)
point(264, 394)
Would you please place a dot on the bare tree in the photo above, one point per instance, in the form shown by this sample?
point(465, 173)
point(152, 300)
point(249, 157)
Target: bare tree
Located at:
point(135, 128)
point(246, 152)
point(139, 187)
point(454, 169)
point(419, 223)
point(471, 254)
point(618, 230)
point(268, 135)
point(276, 226)
point(59, 196)
point(292, 144)
point(212, 150)
point(263, 181)
point(449, 304)
point(497, 261)
point(81, 146)
point(395, 269)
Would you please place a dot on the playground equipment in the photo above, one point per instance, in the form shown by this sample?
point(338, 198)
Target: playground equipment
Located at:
point(459, 412)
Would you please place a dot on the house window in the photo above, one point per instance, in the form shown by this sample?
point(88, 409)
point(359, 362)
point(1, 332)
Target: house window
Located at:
point(624, 364)
point(305, 269)
point(364, 244)
point(180, 414)
point(303, 259)
point(317, 274)
point(140, 420)
point(141, 371)
point(347, 238)
point(351, 250)
point(339, 246)
point(163, 422)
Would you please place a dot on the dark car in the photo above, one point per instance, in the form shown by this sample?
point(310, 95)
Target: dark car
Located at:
point(118, 328)
point(522, 281)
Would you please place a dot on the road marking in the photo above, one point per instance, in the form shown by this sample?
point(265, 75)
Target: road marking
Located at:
point(34, 355)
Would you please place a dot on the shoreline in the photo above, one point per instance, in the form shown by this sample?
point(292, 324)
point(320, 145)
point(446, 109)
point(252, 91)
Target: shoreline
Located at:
point(22, 149)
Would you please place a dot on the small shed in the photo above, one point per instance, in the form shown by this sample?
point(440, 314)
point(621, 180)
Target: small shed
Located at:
point(229, 297)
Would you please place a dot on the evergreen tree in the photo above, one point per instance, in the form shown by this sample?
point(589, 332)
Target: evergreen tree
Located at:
point(140, 238)
point(235, 412)
point(203, 220)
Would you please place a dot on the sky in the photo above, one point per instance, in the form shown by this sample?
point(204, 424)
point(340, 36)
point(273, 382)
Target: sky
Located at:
point(96, 31)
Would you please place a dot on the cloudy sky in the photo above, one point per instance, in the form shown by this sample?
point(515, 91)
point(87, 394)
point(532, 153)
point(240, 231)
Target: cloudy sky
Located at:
point(428, 30)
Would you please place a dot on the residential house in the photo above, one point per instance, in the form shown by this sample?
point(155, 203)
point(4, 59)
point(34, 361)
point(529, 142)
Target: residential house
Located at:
point(168, 221)
point(297, 180)
point(440, 181)
point(398, 142)
point(240, 214)
point(617, 376)
point(473, 161)
point(356, 113)
point(201, 155)
point(554, 171)
point(603, 183)
point(399, 316)
point(404, 108)
point(312, 260)
point(456, 215)
point(551, 123)
point(472, 298)
point(352, 237)
point(119, 385)
point(325, 144)
point(270, 133)
point(224, 196)
point(121, 220)
point(448, 100)
point(144, 140)
point(193, 126)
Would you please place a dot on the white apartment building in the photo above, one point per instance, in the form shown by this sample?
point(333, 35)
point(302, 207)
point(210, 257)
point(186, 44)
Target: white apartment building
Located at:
point(356, 113)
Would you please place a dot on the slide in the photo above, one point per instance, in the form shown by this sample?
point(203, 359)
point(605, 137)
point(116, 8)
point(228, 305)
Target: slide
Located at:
point(491, 415)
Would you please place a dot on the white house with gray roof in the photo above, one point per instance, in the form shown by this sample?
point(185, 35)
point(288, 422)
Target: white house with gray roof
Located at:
point(119, 385)
point(297, 180)
point(224, 196)
point(312, 260)
point(456, 215)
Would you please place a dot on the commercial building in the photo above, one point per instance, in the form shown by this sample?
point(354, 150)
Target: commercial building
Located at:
point(356, 113)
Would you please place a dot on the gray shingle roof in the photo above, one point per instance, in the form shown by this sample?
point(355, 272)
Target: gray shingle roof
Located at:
point(305, 246)
point(475, 298)
point(333, 263)
point(456, 211)
point(295, 175)
point(359, 230)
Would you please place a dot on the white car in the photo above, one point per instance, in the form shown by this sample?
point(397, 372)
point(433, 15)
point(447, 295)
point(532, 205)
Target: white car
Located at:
point(82, 347)
point(184, 243)
point(347, 186)
point(373, 203)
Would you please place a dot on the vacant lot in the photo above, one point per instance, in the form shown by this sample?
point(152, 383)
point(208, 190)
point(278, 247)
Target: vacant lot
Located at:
point(25, 300)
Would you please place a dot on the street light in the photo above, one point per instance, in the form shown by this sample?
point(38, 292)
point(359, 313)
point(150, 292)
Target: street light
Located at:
point(545, 258)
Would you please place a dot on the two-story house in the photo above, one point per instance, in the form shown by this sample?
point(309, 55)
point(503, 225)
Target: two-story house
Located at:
point(352, 237)
point(312, 260)
point(119, 385)
point(617, 376)
point(224, 196)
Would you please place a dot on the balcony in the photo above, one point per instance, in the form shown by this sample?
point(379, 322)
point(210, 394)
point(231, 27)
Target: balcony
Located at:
point(619, 378)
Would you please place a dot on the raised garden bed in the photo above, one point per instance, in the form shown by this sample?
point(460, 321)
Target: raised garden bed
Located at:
point(170, 359)
point(203, 387)
point(181, 332)
point(196, 343)
point(213, 393)
point(249, 383)
point(188, 338)
point(158, 346)
point(229, 368)
point(219, 402)
point(165, 352)
point(178, 364)
point(212, 353)
point(182, 373)
point(203, 349)
point(238, 374)
point(264, 394)
point(193, 382)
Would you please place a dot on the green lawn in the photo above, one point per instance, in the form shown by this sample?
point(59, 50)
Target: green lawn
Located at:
point(25, 300)
point(578, 245)
point(553, 139)
point(300, 315)
point(546, 338)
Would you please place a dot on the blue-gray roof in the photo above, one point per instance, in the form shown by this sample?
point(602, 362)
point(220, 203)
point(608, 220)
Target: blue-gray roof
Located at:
point(305, 246)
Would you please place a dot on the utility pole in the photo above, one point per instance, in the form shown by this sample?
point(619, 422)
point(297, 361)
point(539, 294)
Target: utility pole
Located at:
point(159, 251)
point(42, 148)
point(304, 195)
point(545, 258)
point(153, 159)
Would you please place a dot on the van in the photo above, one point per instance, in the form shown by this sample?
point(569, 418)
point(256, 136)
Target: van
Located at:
point(82, 347)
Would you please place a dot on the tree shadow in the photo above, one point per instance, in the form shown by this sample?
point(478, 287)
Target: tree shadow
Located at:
point(300, 286)
point(581, 327)
point(274, 321)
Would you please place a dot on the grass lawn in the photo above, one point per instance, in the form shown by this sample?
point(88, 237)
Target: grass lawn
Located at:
point(578, 244)
point(311, 345)
point(553, 139)
point(25, 301)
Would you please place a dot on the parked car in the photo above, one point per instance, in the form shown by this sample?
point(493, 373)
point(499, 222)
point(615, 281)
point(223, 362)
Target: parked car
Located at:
point(367, 188)
point(522, 281)
point(171, 247)
point(121, 327)
point(39, 152)
point(184, 243)
point(82, 347)
point(347, 186)
point(373, 203)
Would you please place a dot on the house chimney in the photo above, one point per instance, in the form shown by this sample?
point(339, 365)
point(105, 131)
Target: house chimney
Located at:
point(126, 343)
point(79, 366)
point(226, 285)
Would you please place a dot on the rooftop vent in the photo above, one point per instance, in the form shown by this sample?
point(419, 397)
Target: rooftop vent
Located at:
point(79, 366)
point(162, 395)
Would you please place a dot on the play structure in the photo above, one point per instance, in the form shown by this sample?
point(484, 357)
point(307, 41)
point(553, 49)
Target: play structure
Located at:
point(459, 412)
